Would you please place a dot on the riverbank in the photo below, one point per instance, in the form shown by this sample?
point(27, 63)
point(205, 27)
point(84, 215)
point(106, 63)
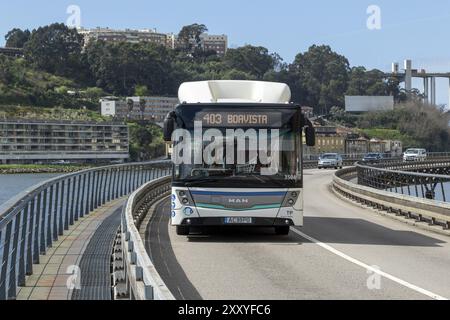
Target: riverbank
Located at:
point(37, 168)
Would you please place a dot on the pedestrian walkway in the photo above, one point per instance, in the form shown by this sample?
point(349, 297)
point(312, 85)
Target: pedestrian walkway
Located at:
point(57, 274)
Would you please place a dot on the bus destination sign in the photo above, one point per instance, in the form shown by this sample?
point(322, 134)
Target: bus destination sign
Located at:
point(239, 119)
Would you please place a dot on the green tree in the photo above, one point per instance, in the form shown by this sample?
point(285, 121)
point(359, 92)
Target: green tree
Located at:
point(94, 93)
point(146, 142)
point(234, 74)
point(370, 83)
point(16, 38)
point(421, 125)
point(189, 36)
point(253, 60)
point(121, 67)
point(319, 78)
point(55, 49)
point(141, 91)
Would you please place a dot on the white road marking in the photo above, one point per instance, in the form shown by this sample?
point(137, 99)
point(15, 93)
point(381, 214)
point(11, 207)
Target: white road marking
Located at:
point(367, 267)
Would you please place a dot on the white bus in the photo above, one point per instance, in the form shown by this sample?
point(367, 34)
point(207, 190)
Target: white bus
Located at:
point(253, 177)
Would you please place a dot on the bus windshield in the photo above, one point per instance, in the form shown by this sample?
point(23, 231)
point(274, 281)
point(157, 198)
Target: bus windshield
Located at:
point(242, 162)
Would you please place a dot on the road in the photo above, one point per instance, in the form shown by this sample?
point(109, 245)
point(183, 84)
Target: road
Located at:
point(342, 252)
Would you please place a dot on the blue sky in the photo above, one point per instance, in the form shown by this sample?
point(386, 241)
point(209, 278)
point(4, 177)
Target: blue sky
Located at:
point(409, 28)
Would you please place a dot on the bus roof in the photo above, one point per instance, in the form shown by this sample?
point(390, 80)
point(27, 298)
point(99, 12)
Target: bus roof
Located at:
point(234, 91)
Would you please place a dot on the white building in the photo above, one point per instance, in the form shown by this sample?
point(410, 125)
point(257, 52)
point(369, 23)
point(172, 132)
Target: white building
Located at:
point(128, 35)
point(218, 43)
point(155, 108)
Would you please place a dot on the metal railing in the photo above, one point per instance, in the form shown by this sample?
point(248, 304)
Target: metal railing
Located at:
point(144, 282)
point(421, 210)
point(346, 156)
point(34, 219)
point(428, 179)
point(387, 157)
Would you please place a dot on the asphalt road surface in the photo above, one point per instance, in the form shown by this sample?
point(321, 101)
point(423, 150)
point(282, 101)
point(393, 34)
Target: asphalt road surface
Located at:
point(342, 252)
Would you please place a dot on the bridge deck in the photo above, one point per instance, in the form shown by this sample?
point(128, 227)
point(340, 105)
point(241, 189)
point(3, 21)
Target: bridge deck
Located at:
point(326, 259)
point(49, 279)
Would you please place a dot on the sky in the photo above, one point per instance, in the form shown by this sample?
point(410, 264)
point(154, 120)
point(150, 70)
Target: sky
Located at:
point(408, 29)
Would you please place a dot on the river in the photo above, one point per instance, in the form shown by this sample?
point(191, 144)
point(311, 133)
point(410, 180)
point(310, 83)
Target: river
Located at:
point(13, 184)
point(417, 191)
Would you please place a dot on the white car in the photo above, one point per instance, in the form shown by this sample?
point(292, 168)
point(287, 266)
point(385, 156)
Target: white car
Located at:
point(330, 160)
point(415, 155)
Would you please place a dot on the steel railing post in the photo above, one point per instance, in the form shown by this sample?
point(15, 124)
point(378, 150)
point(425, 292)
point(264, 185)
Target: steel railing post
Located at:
point(56, 213)
point(37, 228)
point(22, 255)
point(71, 201)
point(67, 211)
point(62, 209)
point(12, 267)
point(4, 266)
point(49, 218)
point(43, 234)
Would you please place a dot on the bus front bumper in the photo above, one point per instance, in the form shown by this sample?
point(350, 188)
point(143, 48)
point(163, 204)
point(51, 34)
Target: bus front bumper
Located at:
point(221, 221)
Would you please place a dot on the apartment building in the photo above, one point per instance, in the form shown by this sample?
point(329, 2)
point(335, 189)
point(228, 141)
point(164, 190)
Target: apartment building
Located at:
point(218, 43)
point(128, 35)
point(327, 141)
point(28, 141)
point(155, 108)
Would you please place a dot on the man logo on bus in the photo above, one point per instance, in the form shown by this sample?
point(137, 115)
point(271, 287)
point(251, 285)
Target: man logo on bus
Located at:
point(237, 200)
point(237, 147)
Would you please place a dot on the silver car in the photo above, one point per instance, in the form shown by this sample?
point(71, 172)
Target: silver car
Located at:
point(415, 154)
point(330, 160)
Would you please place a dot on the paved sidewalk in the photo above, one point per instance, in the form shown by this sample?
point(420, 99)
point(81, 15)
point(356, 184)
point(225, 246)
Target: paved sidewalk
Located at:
point(50, 277)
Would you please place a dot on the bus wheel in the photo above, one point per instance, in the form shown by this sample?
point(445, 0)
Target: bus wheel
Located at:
point(182, 230)
point(282, 231)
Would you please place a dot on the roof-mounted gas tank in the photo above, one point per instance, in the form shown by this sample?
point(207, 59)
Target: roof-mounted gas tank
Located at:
point(234, 91)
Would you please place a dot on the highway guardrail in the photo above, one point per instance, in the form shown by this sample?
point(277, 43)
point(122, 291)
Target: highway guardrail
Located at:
point(426, 210)
point(144, 281)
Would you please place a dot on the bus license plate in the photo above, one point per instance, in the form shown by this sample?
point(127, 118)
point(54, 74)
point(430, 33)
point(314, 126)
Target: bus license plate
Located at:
point(238, 220)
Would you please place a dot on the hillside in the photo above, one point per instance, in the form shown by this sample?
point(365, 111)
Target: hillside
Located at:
point(24, 85)
point(43, 113)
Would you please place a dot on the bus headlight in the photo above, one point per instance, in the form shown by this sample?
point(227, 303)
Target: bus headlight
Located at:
point(290, 199)
point(185, 197)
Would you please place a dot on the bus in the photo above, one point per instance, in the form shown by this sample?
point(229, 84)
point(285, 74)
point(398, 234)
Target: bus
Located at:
point(237, 156)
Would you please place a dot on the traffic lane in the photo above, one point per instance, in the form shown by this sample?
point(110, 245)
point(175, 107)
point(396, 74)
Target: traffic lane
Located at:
point(159, 248)
point(415, 255)
point(239, 263)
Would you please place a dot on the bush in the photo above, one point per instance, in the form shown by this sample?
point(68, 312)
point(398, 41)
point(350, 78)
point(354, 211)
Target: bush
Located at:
point(417, 123)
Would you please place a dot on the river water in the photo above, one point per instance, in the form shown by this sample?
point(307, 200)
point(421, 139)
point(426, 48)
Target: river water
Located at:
point(13, 184)
point(417, 191)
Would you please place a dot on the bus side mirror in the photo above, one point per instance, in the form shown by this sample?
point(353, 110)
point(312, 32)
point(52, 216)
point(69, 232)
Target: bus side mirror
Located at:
point(310, 134)
point(169, 126)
